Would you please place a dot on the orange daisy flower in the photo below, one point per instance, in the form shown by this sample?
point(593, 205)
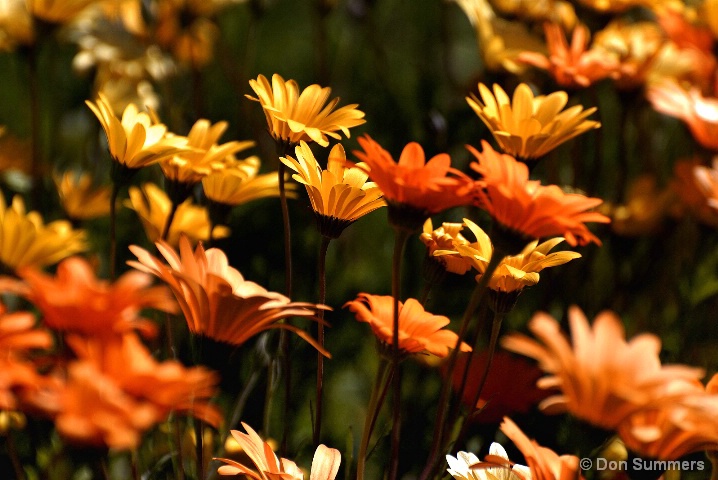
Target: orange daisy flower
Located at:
point(75, 300)
point(603, 379)
point(419, 330)
point(697, 188)
point(216, 300)
point(544, 463)
point(574, 65)
point(426, 187)
point(528, 208)
point(699, 113)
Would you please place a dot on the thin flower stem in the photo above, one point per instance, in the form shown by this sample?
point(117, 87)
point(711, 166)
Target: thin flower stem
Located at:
point(134, 462)
point(175, 425)
point(14, 457)
point(375, 402)
point(170, 219)
point(400, 239)
point(493, 340)
point(320, 338)
point(199, 446)
point(425, 293)
point(443, 405)
point(113, 228)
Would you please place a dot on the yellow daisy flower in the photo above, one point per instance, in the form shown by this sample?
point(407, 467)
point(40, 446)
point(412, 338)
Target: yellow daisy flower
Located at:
point(205, 155)
point(238, 183)
point(339, 195)
point(153, 207)
point(529, 126)
point(292, 116)
point(80, 199)
point(26, 241)
point(135, 141)
point(516, 271)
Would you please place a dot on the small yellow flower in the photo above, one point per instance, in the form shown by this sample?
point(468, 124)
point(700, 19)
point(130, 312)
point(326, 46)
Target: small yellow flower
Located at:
point(339, 195)
point(238, 183)
point(530, 126)
point(205, 156)
point(80, 199)
point(153, 207)
point(514, 272)
point(26, 241)
point(443, 238)
point(292, 116)
point(135, 141)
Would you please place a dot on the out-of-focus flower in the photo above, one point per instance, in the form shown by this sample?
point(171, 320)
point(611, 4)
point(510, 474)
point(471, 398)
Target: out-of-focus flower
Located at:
point(168, 386)
point(573, 66)
point(15, 25)
point(424, 187)
point(496, 467)
point(617, 6)
point(58, 11)
point(238, 183)
point(526, 207)
point(135, 141)
point(80, 199)
point(500, 41)
point(510, 386)
point(643, 210)
point(697, 187)
point(674, 429)
point(543, 463)
point(26, 241)
point(419, 330)
point(293, 116)
point(556, 11)
point(325, 464)
point(709, 14)
point(153, 206)
point(443, 238)
point(636, 46)
point(698, 112)
point(529, 126)
point(205, 155)
point(340, 195)
point(603, 379)
point(15, 154)
point(74, 300)
point(684, 32)
point(216, 300)
point(515, 271)
point(684, 65)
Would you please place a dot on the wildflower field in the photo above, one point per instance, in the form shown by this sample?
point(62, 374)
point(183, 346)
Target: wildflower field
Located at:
point(358, 239)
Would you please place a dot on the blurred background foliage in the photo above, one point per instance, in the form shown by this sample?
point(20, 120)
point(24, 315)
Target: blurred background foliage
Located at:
point(408, 64)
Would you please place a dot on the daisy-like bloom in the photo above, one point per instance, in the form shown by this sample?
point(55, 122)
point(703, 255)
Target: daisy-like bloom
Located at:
point(543, 463)
point(153, 206)
point(697, 188)
point(293, 116)
point(80, 199)
point(185, 28)
point(26, 241)
point(419, 330)
point(340, 195)
point(528, 209)
point(412, 183)
point(15, 25)
point(216, 300)
point(205, 154)
point(529, 126)
point(135, 141)
point(515, 271)
point(74, 300)
point(267, 466)
point(617, 6)
point(636, 45)
point(572, 66)
point(698, 112)
point(603, 379)
point(238, 183)
point(496, 467)
point(168, 386)
point(443, 238)
point(644, 208)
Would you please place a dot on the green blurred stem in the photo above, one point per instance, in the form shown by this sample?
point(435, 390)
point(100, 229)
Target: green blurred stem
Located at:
point(713, 457)
point(170, 219)
point(134, 463)
point(34, 86)
point(14, 457)
point(199, 446)
point(376, 399)
point(493, 340)
point(443, 405)
point(400, 239)
point(320, 337)
point(113, 227)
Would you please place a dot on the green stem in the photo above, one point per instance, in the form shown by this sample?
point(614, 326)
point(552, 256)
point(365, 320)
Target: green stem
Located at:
point(400, 239)
point(14, 457)
point(375, 402)
point(35, 127)
point(134, 461)
point(170, 219)
point(476, 297)
point(113, 228)
point(175, 425)
point(713, 457)
point(199, 446)
point(320, 338)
